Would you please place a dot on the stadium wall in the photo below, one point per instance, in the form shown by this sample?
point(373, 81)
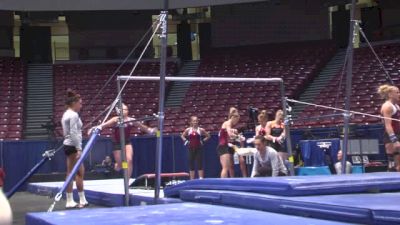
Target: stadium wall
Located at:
point(105, 35)
point(260, 23)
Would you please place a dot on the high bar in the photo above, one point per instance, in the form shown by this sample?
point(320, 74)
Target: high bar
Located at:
point(199, 79)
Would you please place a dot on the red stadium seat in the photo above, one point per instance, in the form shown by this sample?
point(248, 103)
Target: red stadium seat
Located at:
point(87, 79)
point(12, 83)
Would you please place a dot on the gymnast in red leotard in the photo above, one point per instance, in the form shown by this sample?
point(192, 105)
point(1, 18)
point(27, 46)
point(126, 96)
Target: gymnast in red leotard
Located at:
point(391, 137)
point(193, 139)
point(226, 134)
point(129, 123)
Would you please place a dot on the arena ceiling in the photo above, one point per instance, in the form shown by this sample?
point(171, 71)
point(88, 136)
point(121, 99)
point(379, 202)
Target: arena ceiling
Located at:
point(100, 5)
point(91, 5)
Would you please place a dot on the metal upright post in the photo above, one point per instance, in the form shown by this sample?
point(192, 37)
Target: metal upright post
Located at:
point(287, 129)
point(163, 65)
point(122, 140)
point(349, 77)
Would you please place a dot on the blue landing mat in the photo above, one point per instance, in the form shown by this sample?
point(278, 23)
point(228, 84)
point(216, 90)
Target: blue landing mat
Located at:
point(380, 208)
point(179, 213)
point(296, 186)
point(103, 192)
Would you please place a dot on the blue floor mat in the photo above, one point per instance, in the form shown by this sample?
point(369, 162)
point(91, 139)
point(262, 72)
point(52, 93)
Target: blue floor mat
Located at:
point(103, 192)
point(296, 186)
point(379, 208)
point(177, 214)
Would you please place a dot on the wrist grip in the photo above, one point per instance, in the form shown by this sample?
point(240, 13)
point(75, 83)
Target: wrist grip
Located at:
point(393, 138)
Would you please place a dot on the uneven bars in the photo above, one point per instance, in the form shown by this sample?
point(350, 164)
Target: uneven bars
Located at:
point(227, 79)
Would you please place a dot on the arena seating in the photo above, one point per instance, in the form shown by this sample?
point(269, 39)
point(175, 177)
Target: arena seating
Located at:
point(12, 79)
point(296, 63)
point(367, 76)
point(87, 79)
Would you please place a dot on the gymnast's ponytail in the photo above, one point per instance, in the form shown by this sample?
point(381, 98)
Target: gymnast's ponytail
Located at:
point(233, 112)
point(72, 97)
point(262, 116)
point(385, 89)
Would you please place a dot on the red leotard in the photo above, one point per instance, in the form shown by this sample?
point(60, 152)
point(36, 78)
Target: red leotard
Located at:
point(2, 177)
point(223, 137)
point(395, 115)
point(396, 124)
point(127, 128)
point(194, 138)
point(262, 131)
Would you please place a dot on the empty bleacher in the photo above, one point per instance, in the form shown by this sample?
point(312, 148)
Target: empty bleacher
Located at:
point(12, 92)
point(367, 76)
point(87, 79)
point(296, 63)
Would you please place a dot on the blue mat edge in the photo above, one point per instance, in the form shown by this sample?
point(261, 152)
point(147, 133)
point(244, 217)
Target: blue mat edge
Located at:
point(293, 207)
point(282, 186)
point(43, 218)
point(102, 198)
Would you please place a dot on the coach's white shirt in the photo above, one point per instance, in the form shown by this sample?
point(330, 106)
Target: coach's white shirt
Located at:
point(270, 159)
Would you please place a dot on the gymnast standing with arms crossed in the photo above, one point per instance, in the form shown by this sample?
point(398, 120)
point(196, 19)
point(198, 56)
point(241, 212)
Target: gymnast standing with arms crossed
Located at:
point(391, 109)
point(129, 123)
point(192, 137)
point(72, 131)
